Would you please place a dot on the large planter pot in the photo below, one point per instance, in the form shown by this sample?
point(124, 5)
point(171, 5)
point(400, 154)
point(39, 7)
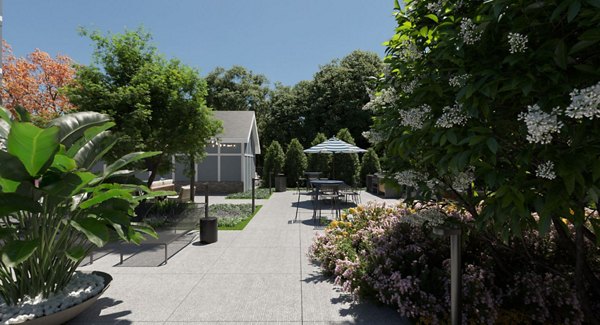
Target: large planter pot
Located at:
point(66, 315)
point(280, 183)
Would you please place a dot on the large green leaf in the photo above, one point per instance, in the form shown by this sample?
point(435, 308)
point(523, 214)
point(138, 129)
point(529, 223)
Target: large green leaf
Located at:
point(63, 163)
point(12, 168)
point(5, 115)
point(76, 253)
point(66, 185)
point(72, 126)
point(144, 228)
point(95, 230)
point(34, 147)
point(88, 135)
point(13, 202)
point(6, 231)
point(107, 195)
point(127, 159)
point(17, 251)
point(88, 155)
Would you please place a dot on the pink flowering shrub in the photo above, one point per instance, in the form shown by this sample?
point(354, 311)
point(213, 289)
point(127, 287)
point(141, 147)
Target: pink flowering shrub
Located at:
point(391, 253)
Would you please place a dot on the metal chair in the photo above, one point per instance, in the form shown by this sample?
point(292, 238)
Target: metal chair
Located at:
point(310, 192)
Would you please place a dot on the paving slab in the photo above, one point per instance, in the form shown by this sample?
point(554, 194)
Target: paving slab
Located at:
point(242, 297)
point(151, 297)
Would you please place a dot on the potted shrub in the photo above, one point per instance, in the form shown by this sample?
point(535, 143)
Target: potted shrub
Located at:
point(274, 163)
point(54, 211)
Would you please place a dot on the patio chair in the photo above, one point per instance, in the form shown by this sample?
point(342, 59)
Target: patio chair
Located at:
point(309, 192)
point(333, 194)
point(350, 192)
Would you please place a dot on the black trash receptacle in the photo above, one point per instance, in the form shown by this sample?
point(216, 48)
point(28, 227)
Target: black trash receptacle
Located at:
point(208, 230)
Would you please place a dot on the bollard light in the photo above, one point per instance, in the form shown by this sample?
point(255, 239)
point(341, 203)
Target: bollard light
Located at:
point(455, 271)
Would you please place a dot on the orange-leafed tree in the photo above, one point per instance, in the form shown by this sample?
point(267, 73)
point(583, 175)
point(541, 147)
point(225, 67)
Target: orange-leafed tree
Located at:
point(35, 82)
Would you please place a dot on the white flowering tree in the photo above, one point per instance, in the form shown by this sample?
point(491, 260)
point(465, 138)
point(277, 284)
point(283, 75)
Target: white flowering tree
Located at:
point(496, 104)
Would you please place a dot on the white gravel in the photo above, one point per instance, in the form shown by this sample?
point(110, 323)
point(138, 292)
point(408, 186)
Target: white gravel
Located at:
point(82, 287)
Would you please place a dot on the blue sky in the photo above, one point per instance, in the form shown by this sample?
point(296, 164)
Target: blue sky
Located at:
point(283, 39)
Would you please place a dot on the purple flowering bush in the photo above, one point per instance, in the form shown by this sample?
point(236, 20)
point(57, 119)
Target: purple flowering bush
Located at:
point(391, 254)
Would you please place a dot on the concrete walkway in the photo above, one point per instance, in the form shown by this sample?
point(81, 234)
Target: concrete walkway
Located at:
point(260, 275)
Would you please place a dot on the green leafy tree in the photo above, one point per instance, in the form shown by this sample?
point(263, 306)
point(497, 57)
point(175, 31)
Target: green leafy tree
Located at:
point(494, 104)
point(338, 93)
point(287, 110)
point(319, 162)
point(370, 164)
point(274, 160)
point(157, 104)
point(346, 166)
point(295, 162)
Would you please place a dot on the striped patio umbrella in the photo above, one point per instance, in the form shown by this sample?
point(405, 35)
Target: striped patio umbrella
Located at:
point(334, 145)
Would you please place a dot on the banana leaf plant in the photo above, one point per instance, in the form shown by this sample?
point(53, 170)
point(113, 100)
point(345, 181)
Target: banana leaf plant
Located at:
point(53, 210)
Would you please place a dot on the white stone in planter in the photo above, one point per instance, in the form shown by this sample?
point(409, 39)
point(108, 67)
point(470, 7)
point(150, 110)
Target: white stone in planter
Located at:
point(81, 287)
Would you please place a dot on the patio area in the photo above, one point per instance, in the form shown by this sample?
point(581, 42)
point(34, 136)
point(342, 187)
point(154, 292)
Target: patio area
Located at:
point(258, 275)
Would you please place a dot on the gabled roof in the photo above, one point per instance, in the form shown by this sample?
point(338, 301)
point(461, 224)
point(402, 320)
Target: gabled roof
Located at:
point(238, 127)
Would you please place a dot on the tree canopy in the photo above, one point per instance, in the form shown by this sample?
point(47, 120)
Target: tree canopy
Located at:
point(36, 82)
point(494, 104)
point(157, 104)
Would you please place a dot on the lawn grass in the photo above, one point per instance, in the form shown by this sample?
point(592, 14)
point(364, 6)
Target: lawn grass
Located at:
point(232, 216)
point(261, 193)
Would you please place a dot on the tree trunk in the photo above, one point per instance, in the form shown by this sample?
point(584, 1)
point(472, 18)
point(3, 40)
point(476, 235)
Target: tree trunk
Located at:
point(570, 246)
point(192, 178)
point(580, 277)
point(152, 164)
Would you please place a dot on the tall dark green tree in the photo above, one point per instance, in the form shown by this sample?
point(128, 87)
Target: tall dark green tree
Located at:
point(346, 166)
point(274, 160)
point(339, 92)
point(157, 104)
point(370, 165)
point(319, 162)
point(286, 112)
point(295, 162)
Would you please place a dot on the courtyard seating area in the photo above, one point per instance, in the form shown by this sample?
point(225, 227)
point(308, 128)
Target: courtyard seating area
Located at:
point(259, 275)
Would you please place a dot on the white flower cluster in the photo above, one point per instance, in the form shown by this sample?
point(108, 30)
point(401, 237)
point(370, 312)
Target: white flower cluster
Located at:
point(409, 87)
point(585, 103)
point(469, 31)
point(459, 80)
point(517, 42)
point(410, 51)
point(452, 116)
point(414, 117)
point(409, 178)
point(82, 287)
point(546, 170)
point(373, 137)
point(463, 180)
point(540, 125)
point(387, 97)
point(435, 7)
point(433, 217)
point(387, 70)
point(2, 144)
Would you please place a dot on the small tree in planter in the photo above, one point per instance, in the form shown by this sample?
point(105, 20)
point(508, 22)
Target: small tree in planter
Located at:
point(370, 164)
point(346, 166)
point(295, 162)
point(274, 161)
point(53, 210)
point(319, 162)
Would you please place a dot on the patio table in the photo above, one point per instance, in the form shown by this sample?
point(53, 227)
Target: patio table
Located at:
point(318, 184)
